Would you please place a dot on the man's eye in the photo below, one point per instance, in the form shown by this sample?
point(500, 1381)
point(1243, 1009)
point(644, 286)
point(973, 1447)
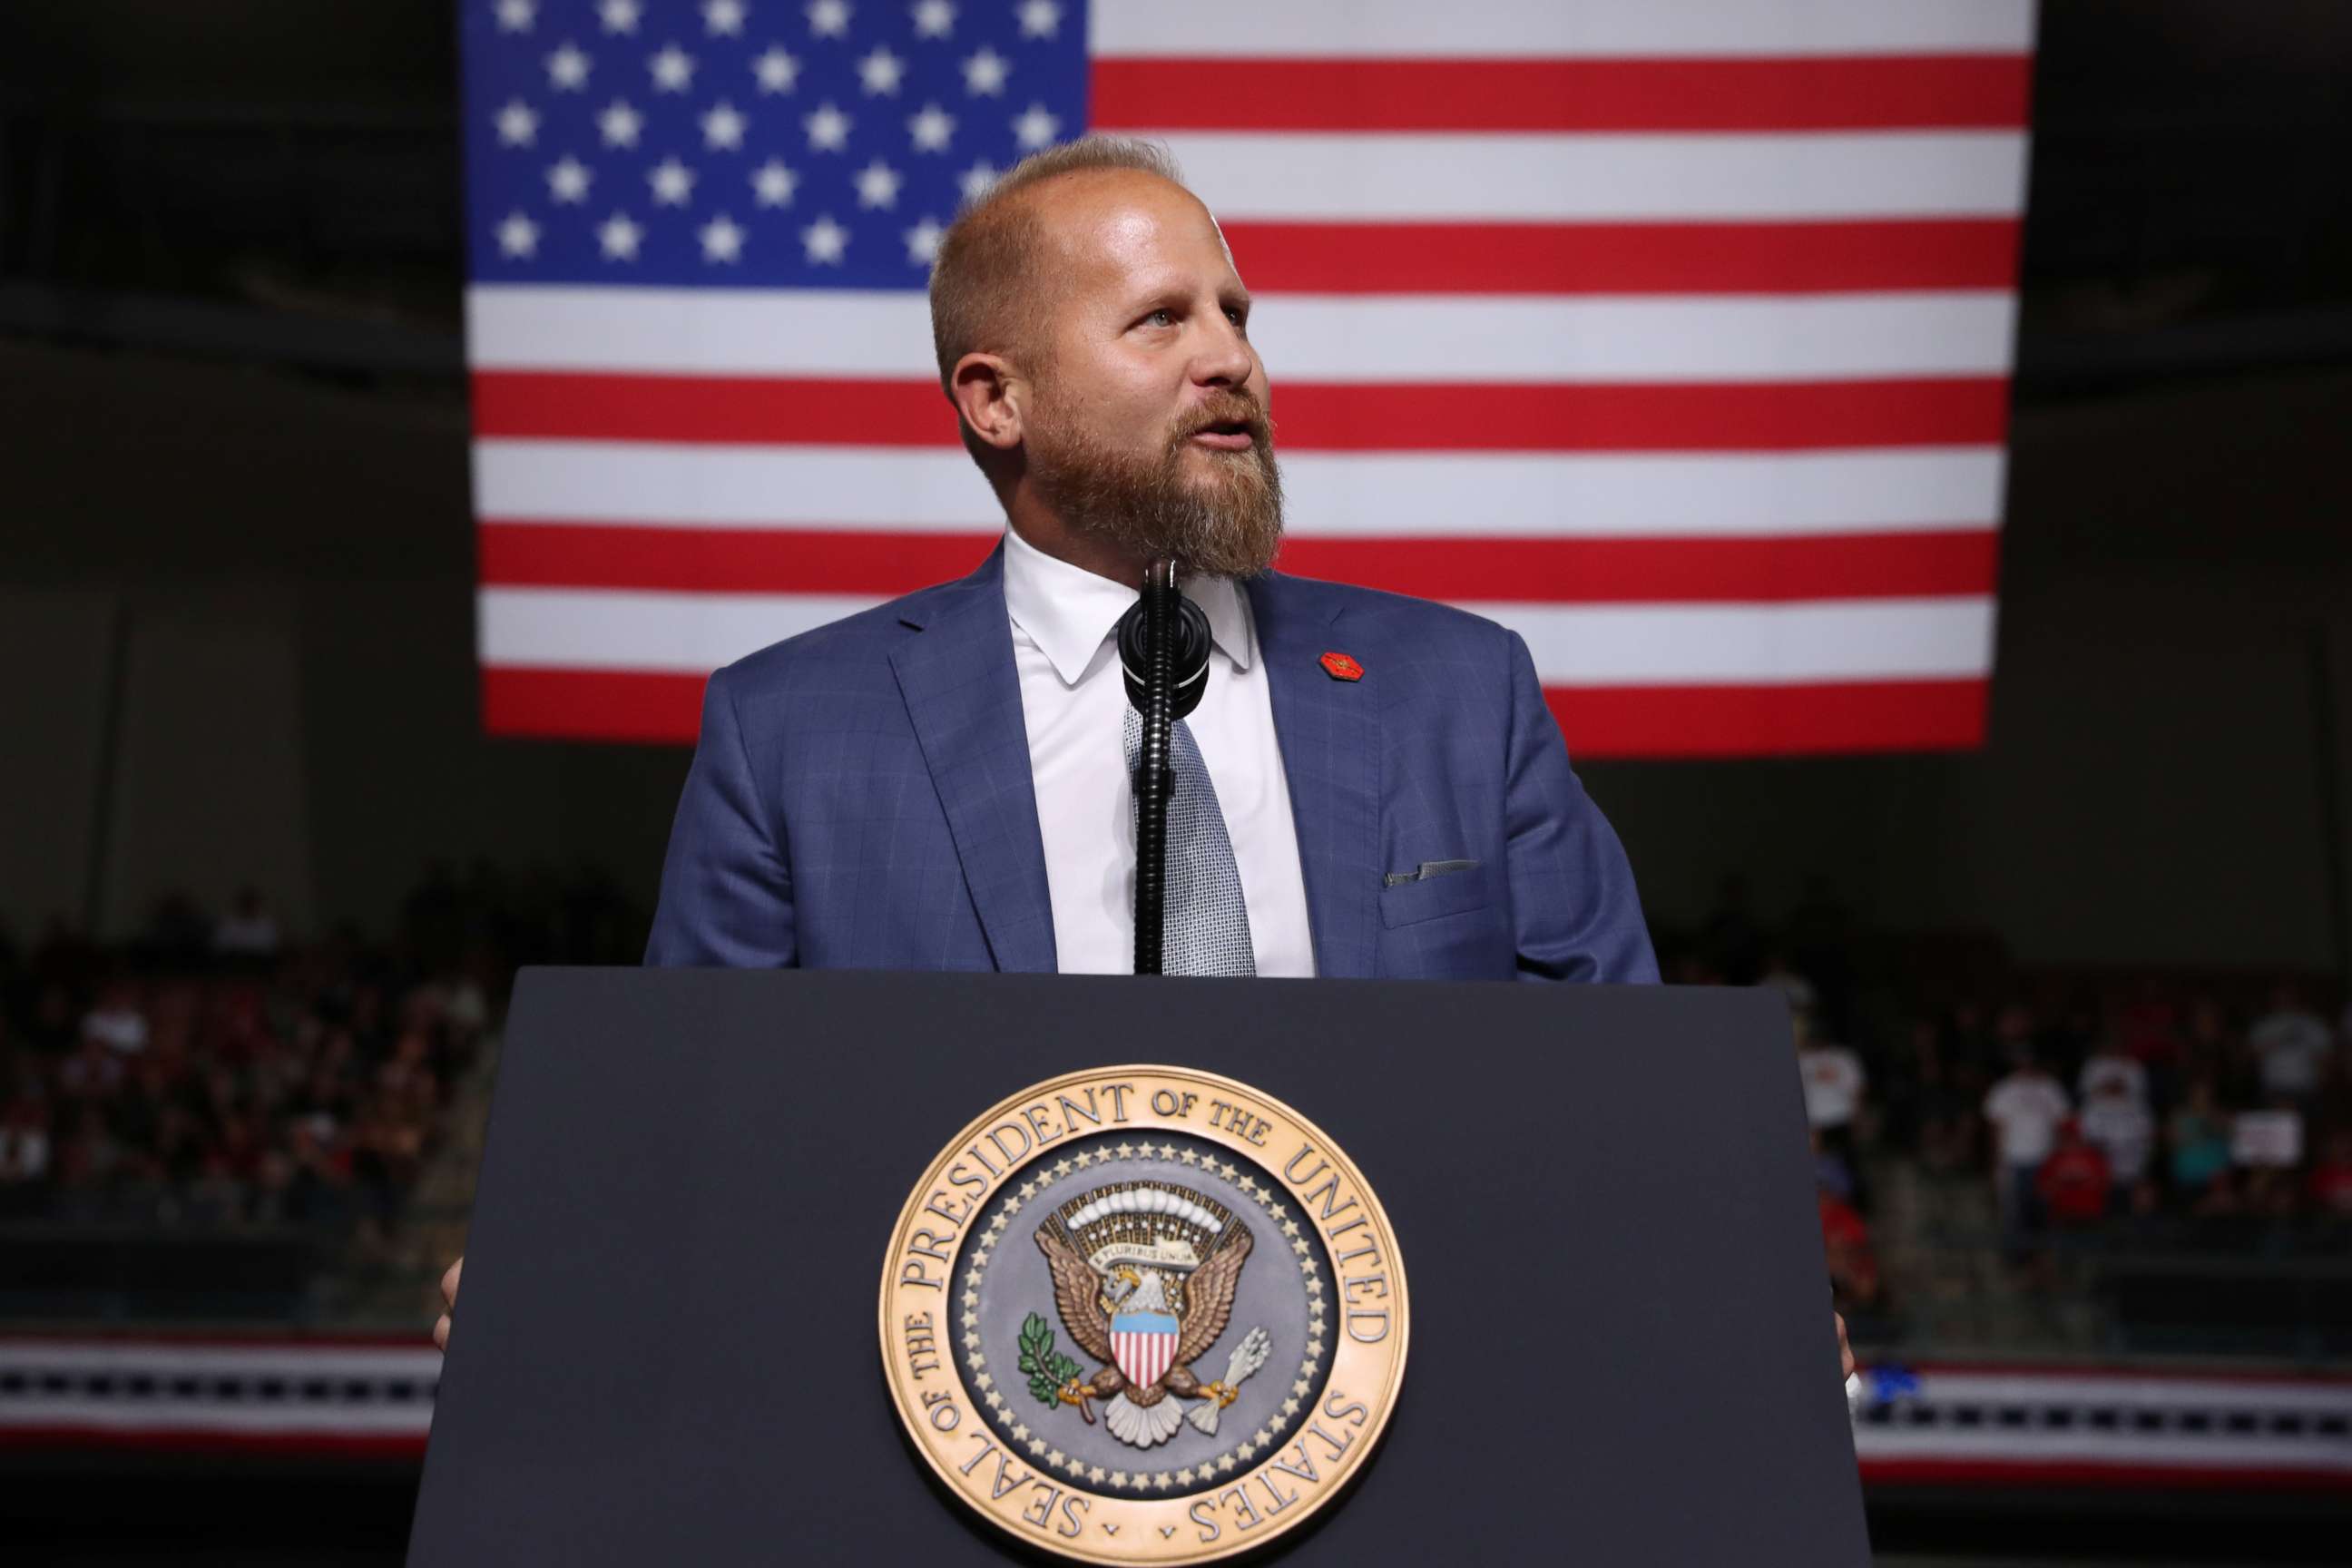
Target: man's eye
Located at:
point(1163, 317)
point(1234, 315)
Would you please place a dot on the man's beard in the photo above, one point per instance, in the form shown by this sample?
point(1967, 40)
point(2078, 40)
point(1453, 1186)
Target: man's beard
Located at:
point(1228, 524)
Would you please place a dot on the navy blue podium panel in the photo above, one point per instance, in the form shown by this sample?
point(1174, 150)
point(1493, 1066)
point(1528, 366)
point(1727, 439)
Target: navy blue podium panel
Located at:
point(1622, 1349)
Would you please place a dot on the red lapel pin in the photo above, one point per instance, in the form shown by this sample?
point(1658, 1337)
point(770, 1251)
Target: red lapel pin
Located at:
point(1340, 666)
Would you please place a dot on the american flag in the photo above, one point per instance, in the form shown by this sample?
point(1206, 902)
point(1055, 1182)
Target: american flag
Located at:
point(1674, 334)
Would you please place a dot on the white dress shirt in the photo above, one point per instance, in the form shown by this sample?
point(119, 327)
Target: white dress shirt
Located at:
point(1065, 621)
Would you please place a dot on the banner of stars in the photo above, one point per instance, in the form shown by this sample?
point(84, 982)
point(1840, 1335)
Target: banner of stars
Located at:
point(808, 143)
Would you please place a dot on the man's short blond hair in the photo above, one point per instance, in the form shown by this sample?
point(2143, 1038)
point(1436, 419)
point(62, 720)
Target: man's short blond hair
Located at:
point(984, 284)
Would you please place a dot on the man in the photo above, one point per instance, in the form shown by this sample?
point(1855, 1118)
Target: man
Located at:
point(943, 781)
point(2024, 1109)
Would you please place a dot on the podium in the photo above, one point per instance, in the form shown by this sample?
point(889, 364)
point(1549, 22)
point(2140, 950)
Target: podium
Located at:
point(1622, 1349)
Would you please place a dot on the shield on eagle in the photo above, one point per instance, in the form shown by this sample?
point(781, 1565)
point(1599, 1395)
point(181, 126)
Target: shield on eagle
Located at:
point(1144, 1345)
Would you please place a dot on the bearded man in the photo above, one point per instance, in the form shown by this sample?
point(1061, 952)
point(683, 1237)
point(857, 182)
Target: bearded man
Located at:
point(944, 782)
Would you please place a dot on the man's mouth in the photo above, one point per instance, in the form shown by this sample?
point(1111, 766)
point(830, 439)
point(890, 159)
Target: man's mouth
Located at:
point(1226, 436)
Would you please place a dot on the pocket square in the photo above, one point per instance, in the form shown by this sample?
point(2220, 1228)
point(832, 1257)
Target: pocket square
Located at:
point(1427, 869)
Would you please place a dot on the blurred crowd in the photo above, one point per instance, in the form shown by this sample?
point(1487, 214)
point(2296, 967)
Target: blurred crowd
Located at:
point(209, 1075)
point(2101, 1107)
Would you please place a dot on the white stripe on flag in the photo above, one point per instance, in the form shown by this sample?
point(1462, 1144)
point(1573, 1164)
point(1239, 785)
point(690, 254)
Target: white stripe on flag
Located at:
point(1511, 495)
point(1305, 337)
point(1590, 28)
point(1372, 176)
point(1612, 645)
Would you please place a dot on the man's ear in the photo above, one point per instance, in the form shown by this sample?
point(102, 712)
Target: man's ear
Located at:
point(989, 395)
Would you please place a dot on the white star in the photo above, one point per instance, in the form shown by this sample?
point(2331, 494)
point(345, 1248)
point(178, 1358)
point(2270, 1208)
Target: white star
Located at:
point(672, 69)
point(619, 238)
point(1040, 18)
point(721, 240)
point(518, 124)
point(1035, 128)
point(619, 16)
point(774, 183)
point(568, 181)
point(933, 18)
point(620, 123)
point(516, 15)
point(672, 182)
point(923, 242)
point(777, 70)
point(828, 129)
point(829, 18)
point(723, 127)
point(567, 68)
point(880, 72)
point(825, 241)
point(723, 17)
point(517, 235)
point(976, 180)
point(985, 73)
point(930, 129)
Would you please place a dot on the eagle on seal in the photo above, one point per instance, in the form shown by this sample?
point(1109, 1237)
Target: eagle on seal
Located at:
point(1203, 1301)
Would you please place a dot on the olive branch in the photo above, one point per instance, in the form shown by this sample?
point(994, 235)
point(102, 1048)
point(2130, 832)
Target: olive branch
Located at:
point(1048, 1369)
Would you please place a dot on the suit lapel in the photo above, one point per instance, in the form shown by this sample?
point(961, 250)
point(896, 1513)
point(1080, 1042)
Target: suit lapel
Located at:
point(963, 698)
point(1330, 734)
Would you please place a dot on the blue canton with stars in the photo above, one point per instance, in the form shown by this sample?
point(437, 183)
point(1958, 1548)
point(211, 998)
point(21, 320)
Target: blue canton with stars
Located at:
point(766, 143)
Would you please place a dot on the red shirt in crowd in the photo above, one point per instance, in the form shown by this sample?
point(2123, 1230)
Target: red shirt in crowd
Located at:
point(2074, 1181)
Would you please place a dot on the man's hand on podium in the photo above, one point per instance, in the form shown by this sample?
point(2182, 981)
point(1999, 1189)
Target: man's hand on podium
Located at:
point(449, 1294)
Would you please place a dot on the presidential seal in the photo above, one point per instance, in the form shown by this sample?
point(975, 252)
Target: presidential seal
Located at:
point(1143, 1314)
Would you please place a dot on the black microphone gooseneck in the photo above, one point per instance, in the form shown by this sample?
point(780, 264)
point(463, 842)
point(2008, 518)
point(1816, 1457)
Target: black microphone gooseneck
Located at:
point(1163, 654)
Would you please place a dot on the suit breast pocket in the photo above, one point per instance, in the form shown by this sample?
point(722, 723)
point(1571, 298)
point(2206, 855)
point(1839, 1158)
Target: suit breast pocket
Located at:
point(1430, 897)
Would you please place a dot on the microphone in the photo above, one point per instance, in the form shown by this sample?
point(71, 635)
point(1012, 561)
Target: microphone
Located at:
point(1163, 656)
point(1188, 652)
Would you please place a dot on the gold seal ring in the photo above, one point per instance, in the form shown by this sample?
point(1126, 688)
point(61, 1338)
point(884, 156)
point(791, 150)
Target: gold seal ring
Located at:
point(1143, 1314)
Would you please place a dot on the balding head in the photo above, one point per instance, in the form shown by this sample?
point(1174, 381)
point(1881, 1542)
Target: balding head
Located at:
point(993, 261)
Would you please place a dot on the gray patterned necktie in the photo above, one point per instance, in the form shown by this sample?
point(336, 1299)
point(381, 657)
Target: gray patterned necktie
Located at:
point(1205, 925)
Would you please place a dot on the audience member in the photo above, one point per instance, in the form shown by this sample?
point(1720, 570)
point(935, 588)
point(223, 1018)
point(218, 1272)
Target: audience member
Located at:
point(2291, 1046)
point(2118, 1122)
point(1833, 1082)
point(2197, 1137)
point(249, 928)
point(2074, 1182)
point(2023, 1108)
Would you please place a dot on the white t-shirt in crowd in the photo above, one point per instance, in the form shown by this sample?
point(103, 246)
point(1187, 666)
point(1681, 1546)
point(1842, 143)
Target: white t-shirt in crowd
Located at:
point(2025, 1109)
point(2293, 1047)
point(2112, 1067)
point(123, 1028)
point(2122, 1129)
point(1833, 1082)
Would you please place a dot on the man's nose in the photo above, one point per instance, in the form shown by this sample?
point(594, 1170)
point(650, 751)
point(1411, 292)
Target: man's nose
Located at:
point(1223, 358)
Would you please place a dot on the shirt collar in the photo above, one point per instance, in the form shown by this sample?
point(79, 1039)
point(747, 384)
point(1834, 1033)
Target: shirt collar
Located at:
point(1068, 611)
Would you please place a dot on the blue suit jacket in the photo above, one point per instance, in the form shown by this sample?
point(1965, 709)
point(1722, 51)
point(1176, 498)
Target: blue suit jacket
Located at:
point(861, 798)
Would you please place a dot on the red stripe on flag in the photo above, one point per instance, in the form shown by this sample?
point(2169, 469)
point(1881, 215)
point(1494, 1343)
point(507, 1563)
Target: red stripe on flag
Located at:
point(1640, 571)
point(1806, 93)
point(1625, 257)
point(1762, 720)
point(1325, 416)
point(1598, 721)
point(592, 704)
point(1642, 416)
point(584, 406)
point(517, 554)
point(723, 560)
